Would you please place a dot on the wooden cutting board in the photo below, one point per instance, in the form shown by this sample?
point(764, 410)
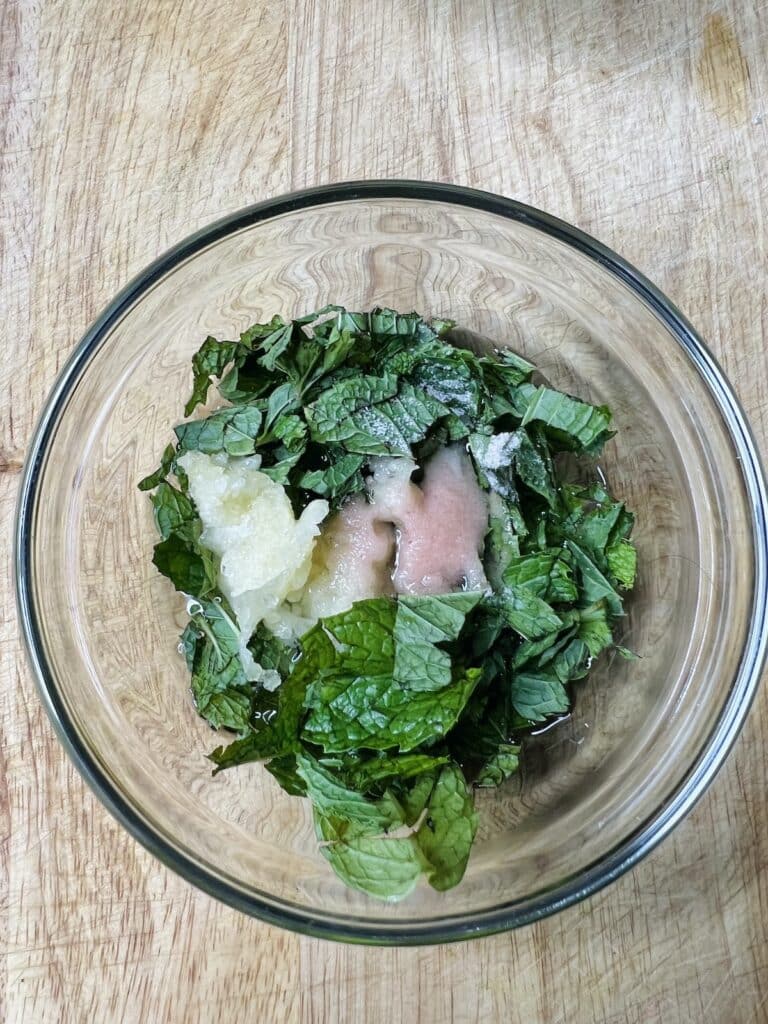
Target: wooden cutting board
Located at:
point(125, 125)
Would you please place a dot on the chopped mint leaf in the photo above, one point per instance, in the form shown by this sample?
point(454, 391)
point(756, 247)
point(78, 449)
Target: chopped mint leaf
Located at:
point(448, 831)
point(339, 479)
point(332, 799)
point(500, 766)
point(570, 423)
point(386, 421)
point(572, 661)
point(272, 736)
point(503, 459)
point(222, 694)
point(419, 625)
point(594, 629)
point(161, 472)
point(546, 647)
point(190, 569)
point(536, 695)
point(211, 360)
point(562, 587)
point(382, 714)
point(451, 381)
point(376, 713)
point(233, 431)
point(414, 795)
point(528, 615)
point(531, 583)
point(285, 772)
point(380, 679)
point(594, 585)
point(385, 867)
point(270, 651)
point(502, 542)
point(397, 766)
point(622, 562)
point(174, 513)
point(339, 402)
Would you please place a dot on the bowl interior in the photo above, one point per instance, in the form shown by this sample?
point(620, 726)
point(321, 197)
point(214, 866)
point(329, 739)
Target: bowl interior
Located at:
point(108, 623)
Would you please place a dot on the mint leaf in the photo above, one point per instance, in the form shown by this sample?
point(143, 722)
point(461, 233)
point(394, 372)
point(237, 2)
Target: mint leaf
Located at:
point(528, 581)
point(335, 800)
point(247, 381)
point(273, 736)
point(189, 569)
point(382, 867)
point(488, 726)
point(500, 766)
point(257, 745)
point(570, 423)
point(379, 679)
point(504, 373)
point(528, 615)
point(433, 619)
point(422, 667)
point(328, 416)
point(446, 836)
point(502, 458)
point(594, 629)
point(376, 713)
point(450, 379)
point(494, 456)
point(291, 433)
point(284, 771)
point(592, 519)
point(373, 415)
point(210, 360)
point(223, 696)
point(414, 795)
point(359, 640)
point(270, 651)
point(174, 513)
point(533, 466)
point(536, 695)
point(406, 328)
point(397, 766)
point(622, 562)
point(420, 624)
point(545, 648)
point(562, 587)
point(161, 472)
point(233, 431)
point(532, 572)
point(594, 586)
point(276, 345)
point(339, 479)
point(391, 427)
point(572, 661)
point(502, 542)
point(285, 461)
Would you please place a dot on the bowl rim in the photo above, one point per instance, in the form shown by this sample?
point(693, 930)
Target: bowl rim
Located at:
point(631, 848)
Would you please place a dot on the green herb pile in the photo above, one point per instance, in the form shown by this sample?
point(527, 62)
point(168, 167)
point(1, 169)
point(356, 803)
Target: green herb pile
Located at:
point(390, 713)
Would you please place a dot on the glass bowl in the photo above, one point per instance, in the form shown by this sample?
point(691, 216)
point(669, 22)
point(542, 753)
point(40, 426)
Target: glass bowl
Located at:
point(599, 790)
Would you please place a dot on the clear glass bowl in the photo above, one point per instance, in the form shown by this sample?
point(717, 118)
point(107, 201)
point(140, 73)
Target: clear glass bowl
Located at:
point(598, 791)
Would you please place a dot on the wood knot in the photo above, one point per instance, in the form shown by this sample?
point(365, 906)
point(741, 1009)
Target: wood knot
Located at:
point(10, 462)
point(723, 71)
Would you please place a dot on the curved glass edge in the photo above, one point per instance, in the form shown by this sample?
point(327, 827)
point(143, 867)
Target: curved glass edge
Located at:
point(636, 845)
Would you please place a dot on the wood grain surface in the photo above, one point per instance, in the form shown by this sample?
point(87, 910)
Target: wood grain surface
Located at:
point(126, 124)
